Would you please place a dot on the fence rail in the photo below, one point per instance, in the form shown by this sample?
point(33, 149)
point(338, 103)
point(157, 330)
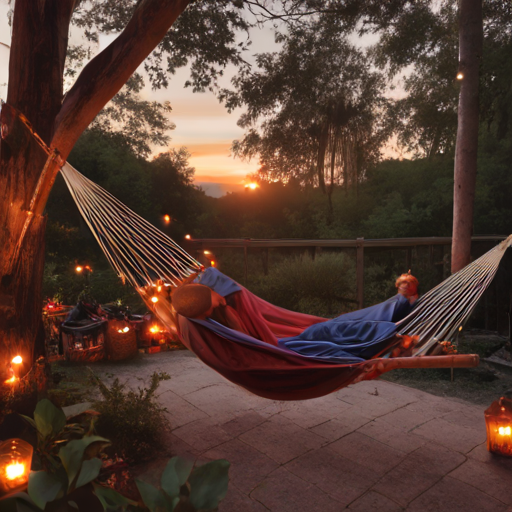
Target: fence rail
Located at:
point(359, 244)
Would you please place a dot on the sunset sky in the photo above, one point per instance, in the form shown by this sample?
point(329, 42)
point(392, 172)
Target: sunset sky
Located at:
point(202, 124)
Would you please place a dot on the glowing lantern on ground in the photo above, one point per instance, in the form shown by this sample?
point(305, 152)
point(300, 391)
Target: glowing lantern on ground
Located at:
point(15, 462)
point(498, 418)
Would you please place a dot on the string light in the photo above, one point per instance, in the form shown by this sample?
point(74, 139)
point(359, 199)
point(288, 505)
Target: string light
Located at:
point(167, 219)
point(460, 76)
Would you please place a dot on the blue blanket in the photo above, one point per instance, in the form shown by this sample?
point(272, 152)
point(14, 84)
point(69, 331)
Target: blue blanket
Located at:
point(364, 333)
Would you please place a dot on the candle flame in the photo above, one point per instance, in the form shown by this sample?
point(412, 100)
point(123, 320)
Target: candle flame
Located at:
point(13, 471)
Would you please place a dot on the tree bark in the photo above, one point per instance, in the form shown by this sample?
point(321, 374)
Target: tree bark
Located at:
point(470, 53)
point(36, 64)
point(38, 50)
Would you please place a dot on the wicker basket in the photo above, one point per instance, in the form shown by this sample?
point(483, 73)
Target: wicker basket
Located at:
point(120, 341)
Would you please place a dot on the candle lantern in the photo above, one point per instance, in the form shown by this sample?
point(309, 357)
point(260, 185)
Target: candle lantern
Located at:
point(498, 418)
point(15, 462)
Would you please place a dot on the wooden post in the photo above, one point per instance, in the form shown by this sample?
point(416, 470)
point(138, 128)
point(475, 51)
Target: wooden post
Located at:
point(265, 261)
point(408, 258)
point(245, 262)
point(360, 271)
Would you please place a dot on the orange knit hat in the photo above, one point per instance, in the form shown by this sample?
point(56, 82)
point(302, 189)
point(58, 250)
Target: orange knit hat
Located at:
point(191, 300)
point(408, 278)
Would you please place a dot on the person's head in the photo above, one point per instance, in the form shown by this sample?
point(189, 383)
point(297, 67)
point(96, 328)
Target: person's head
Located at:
point(407, 285)
point(196, 300)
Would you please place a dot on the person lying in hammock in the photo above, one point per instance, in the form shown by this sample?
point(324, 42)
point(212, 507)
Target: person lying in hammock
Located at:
point(366, 333)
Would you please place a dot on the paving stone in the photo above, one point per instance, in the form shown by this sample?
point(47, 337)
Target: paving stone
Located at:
point(235, 501)
point(281, 439)
point(333, 430)
point(283, 492)
point(418, 472)
point(341, 478)
point(461, 439)
point(376, 406)
point(374, 502)
point(192, 380)
point(179, 411)
point(248, 466)
point(309, 413)
point(488, 477)
point(452, 495)
point(242, 423)
point(202, 434)
point(483, 455)
point(388, 434)
point(468, 417)
point(222, 401)
point(368, 452)
point(407, 418)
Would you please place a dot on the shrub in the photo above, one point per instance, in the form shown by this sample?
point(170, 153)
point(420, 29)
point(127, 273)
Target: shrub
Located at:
point(132, 420)
point(324, 286)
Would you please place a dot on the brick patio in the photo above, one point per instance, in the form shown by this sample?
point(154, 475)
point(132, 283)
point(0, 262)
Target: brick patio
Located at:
point(374, 446)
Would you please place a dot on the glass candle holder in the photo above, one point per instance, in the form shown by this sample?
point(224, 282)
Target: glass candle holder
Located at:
point(498, 419)
point(15, 463)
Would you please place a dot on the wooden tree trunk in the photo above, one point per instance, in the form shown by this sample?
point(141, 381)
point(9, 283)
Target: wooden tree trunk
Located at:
point(470, 53)
point(38, 50)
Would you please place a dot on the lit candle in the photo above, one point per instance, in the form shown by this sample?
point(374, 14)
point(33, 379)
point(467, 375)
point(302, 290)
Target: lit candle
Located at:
point(15, 462)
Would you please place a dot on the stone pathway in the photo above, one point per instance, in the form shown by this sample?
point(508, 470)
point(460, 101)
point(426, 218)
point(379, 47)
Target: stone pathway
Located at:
point(374, 446)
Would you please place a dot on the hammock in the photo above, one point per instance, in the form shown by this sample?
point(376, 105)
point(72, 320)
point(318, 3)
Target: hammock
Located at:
point(150, 260)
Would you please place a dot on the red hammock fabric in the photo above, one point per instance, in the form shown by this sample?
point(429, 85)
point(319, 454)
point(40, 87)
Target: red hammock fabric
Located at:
point(264, 368)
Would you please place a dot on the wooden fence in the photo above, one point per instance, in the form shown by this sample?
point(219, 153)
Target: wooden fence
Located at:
point(196, 246)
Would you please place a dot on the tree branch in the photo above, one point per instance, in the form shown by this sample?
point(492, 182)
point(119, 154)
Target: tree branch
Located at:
point(102, 78)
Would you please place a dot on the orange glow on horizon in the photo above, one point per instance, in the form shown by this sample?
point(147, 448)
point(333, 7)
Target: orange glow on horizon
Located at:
point(252, 186)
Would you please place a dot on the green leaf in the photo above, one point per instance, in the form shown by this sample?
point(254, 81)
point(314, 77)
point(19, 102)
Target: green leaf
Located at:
point(175, 475)
point(209, 484)
point(29, 420)
point(72, 455)
point(90, 470)
point(152, 497)
point(110, 499)
point(44, 487)
point(19, 502)
point(48, 418)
